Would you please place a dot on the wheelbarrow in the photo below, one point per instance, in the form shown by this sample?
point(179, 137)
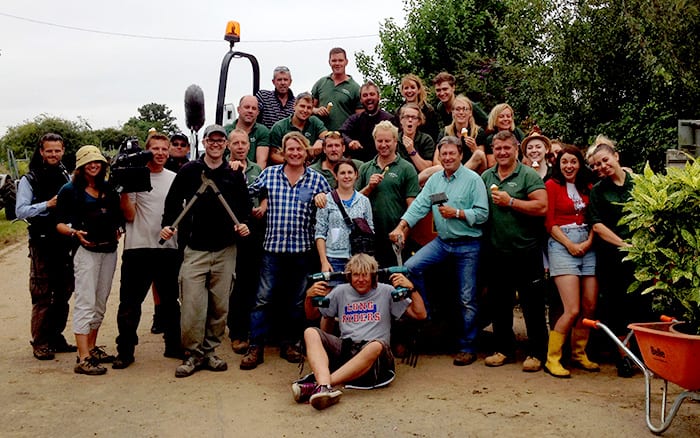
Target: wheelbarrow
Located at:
point(668, 354)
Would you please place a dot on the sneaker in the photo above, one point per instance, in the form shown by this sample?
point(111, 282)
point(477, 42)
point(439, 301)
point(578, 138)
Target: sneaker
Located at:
point(302, 392)
point(532, 364)
point(324, 396)
point(43, 353)
point(291, 353)
point(62, 346)
point(189, 366)
point(497, 359)
point(463, 358)
point(99, 353)
point(215, 363)
point(239, 346)
point(89, 366)
point(253, 358)
point(122, 361)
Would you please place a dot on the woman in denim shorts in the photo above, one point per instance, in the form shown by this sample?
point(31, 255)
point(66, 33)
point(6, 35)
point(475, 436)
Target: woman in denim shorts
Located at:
point(571, 259)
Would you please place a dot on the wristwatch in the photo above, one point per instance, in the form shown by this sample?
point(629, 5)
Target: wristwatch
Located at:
point(413, 152)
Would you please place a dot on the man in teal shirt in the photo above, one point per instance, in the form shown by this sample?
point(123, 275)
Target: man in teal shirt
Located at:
point(336, 96)
point(458, 218)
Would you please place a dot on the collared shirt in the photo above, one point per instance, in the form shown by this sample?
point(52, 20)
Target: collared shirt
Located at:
point(24, 207)
point(290, 208)
point(313, 128)
point(258, 136)
point(271, 109)
point(510, 230)
point(345, 97)
point(465, 191)
point(389, 197)
point(328, 174)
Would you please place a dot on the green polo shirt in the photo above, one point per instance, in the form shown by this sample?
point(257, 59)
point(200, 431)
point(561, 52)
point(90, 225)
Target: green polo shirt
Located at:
point(328, 174)
point(258, 136)
point(252, 170)
point(345, 97)
point(389, 197)
point(424, 144)
point(312, 130)
point(508, 230)
point(606, 204)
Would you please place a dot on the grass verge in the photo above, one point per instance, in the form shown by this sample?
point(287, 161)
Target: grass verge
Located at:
point(11, 232)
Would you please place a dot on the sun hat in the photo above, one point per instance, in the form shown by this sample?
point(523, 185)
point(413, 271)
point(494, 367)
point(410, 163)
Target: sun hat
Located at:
point(88, 154)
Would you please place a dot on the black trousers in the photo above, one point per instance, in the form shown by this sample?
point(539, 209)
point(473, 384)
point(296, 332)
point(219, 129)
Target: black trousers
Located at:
point(521, 272)
point(140, 268)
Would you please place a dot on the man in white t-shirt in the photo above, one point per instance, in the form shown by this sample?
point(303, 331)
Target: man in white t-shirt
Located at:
point(361, 357)
point(146, 262)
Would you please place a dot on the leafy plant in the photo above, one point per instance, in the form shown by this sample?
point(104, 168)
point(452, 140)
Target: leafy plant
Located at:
point(663, 216)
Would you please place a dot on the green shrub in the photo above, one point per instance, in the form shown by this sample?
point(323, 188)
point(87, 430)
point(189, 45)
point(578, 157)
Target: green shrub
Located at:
point(664, 216)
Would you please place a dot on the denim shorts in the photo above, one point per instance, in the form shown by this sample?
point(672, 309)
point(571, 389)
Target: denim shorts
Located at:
point(561, 262)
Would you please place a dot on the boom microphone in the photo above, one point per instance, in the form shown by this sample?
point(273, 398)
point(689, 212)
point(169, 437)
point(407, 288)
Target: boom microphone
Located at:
point(194, 107)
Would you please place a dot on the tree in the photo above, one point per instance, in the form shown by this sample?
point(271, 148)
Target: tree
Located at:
point(152, 115)
point(23, 139)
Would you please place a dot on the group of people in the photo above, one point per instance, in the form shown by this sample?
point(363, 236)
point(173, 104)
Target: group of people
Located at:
point(229, 238)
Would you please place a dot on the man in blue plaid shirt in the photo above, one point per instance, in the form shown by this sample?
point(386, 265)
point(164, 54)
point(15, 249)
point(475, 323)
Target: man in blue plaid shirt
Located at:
point(291, 188)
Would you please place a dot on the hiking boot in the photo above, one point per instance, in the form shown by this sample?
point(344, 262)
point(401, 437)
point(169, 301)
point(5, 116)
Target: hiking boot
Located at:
point(463, 358)
point(62, 346)
point(189, 366)
point(497, 359)
point(43, 353)
point(240, 346)
point(89, 366)
point(215, 363)
point(532, 364)
point(291, 353)
point(122, 361)
point(302, 392)
point(100, 354)
point(324, 396)
point(253, 358)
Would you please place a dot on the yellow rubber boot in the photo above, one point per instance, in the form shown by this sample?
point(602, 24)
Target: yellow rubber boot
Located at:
point(553, 364)
point(579, 340)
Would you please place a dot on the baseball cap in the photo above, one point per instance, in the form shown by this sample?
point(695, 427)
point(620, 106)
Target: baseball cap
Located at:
point(180, 135)
point(213, 129)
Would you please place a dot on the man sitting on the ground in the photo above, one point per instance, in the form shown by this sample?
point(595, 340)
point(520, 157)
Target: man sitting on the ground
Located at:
point(361, 356)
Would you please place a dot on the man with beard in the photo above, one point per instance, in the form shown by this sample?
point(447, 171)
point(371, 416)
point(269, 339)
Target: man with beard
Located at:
point(333, 150)
point(51, 273)
point(357, 129)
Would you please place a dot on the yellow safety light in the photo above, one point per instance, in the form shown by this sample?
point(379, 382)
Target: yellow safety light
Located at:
point(233, 32)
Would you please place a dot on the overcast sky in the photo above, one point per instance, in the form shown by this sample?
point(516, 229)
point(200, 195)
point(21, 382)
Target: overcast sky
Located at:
point(47, 69)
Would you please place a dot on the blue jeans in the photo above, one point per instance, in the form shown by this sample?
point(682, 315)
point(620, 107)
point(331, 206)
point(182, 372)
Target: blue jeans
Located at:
point(465, 255)
point(282, 278)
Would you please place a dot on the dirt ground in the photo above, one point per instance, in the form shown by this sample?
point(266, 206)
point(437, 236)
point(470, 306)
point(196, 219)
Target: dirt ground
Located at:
point(435, 399)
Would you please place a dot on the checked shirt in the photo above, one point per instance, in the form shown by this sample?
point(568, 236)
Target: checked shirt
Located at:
point(290, 208)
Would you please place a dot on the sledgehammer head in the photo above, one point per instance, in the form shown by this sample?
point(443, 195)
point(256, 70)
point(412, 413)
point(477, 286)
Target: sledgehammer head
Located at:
point(438, 198)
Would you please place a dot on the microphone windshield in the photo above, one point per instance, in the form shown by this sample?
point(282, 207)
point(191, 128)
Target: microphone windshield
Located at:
point(194, 107)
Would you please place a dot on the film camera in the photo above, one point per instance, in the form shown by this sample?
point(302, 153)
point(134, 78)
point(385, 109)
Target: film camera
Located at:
point(129, 172)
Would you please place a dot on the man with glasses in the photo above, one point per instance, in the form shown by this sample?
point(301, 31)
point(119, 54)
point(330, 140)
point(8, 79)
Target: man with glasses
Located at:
point(302, 121)
point(258, 134)
point(276, 104)
point(357, 129)
point(209, 260)
point(336, 96)
point(179, 152)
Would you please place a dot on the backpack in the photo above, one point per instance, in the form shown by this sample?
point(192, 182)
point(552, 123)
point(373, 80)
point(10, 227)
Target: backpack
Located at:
point(8, 196)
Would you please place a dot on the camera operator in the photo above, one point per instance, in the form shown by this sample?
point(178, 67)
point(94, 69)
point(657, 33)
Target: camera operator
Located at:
point(144, 261)
point(361, 356)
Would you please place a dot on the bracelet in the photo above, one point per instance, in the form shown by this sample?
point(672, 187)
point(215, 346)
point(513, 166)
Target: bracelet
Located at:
point(510, 203)
point(457, 213)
